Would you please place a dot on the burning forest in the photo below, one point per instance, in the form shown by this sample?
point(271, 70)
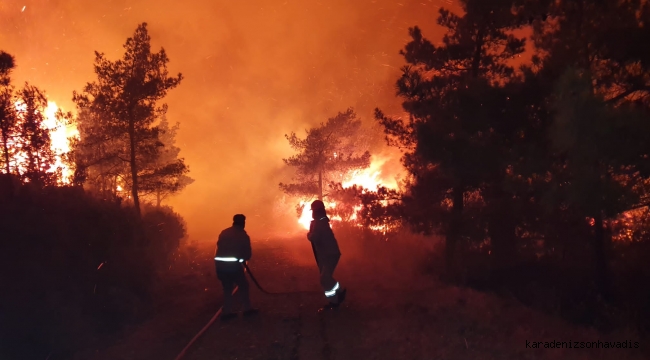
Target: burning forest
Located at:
point(431, 171)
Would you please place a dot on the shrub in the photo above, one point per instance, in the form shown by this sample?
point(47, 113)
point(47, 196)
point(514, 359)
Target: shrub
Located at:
point(72, 265)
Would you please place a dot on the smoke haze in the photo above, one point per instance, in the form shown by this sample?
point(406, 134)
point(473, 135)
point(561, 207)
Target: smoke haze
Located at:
point(254, 71)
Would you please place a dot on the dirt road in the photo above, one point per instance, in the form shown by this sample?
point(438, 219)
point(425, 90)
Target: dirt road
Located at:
point(391, 312)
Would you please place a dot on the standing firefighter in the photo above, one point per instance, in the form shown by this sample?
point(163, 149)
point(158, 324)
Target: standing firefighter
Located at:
point(327, 253)
point(233, 249)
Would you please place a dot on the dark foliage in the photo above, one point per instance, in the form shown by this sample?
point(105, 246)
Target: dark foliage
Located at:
point(72, 266)
point(538, 178)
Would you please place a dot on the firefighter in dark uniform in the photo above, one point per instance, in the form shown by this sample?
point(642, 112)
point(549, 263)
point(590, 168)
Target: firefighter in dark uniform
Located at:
point(327, 253)
point(233, 249)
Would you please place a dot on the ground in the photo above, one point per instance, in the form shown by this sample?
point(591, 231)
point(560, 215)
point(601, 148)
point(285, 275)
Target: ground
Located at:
point(392, 311)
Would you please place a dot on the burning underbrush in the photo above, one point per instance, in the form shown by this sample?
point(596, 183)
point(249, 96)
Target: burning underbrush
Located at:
point(362, 199)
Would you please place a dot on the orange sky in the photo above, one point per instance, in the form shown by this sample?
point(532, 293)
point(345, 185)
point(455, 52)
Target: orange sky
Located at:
point(254, 70)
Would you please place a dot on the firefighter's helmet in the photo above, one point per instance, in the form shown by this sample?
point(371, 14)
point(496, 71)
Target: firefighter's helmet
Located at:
point(317, 205)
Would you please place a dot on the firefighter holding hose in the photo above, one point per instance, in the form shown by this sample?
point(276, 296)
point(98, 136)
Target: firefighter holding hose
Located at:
point(233, 249)
point(327, 253)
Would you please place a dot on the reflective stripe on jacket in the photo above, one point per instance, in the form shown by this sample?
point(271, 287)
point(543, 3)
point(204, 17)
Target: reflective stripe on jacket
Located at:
point(233, 245)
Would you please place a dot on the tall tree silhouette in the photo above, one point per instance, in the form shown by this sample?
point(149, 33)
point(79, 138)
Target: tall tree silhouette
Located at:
point(443, 88)
point(7, 109)
point(605, 152)
point(326, 155)
point(587, 34)
point(127, 93)
point(33, 142)
point(591, 174)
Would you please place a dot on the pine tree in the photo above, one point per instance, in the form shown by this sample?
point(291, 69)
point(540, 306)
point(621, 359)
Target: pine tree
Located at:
point(448, 92)
point(7, 109)
point(33, 142)
point(126, 95)
point(326, 155)
point(604, 151)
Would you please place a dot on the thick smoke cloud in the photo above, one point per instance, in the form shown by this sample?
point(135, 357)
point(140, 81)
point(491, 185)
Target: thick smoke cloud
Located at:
point(254, 70)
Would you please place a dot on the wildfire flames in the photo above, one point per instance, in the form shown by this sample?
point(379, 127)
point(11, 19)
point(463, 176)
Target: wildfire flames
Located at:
point(60, 135)
point(370, 178)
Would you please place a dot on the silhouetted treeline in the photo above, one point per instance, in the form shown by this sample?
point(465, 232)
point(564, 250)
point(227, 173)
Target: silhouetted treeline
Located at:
point(536, 175)
point(72, 266)
point(81, 259)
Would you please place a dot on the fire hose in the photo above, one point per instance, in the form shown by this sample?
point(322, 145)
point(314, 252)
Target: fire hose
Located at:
point(198, 335)
point(250, 274)
point(216, 315)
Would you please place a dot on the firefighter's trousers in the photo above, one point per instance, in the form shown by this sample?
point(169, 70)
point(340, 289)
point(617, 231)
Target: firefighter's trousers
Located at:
point(326, 266)
point(230, 279)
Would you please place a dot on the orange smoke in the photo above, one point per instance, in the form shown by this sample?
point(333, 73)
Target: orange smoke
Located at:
point(254, 72)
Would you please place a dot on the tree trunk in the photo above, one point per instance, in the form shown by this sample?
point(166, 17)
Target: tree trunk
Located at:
point(501, 229)
point(584, 59)
point(453, 235)
point(6, 151)
point(476, 59)
point(600, 243)
point(134, 169)
point(320, 185)
point(158, 199)
point(102, 181)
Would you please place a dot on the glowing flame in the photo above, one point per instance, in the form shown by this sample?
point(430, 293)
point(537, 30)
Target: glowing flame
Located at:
point(369, 178)
point(305, 215)
point(60, 135)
